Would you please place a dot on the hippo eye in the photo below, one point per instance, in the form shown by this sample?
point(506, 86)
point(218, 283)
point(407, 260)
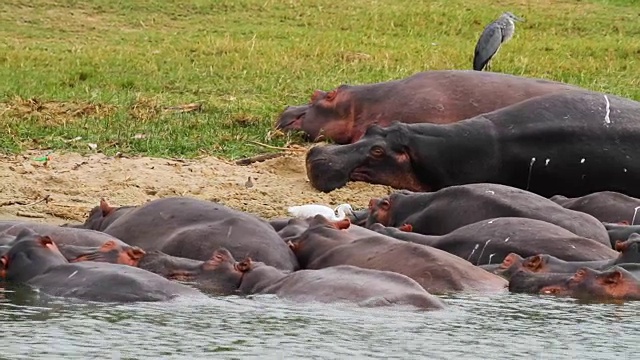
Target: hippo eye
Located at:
point(377, 151)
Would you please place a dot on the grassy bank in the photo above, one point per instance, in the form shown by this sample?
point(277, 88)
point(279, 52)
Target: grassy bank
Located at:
point(105, 70)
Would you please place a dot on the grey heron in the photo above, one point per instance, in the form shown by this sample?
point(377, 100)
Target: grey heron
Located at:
point(493, 36)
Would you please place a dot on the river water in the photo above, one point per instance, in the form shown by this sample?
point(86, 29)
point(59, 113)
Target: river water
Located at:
point(499, 326)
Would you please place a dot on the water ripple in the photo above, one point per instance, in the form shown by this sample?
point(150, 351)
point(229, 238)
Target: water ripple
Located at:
point(472, 327)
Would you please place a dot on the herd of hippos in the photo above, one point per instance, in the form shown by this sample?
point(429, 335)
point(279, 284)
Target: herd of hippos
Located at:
point(503, 183)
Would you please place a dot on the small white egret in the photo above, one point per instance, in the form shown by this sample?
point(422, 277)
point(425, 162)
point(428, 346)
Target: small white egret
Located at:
point(311, 210)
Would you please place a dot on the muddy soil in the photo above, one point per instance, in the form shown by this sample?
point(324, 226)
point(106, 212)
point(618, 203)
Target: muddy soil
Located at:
point(72, 184)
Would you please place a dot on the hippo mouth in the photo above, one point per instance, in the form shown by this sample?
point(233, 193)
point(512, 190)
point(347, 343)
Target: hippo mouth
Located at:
point(360, 174)
point(291, 124)
point(324, 176)
point(292, 118)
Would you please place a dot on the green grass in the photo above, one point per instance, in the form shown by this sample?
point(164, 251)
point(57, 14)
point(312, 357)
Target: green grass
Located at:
point(104, 69)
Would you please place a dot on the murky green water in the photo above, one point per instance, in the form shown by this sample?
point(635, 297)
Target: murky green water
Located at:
point(504, 326)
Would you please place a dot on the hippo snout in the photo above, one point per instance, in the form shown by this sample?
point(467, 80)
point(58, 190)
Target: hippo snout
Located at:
point(291, 118)
point(324, 171)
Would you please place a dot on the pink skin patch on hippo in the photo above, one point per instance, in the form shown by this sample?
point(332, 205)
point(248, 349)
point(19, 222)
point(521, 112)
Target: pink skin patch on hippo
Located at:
point(48, 243)
point(342, 224)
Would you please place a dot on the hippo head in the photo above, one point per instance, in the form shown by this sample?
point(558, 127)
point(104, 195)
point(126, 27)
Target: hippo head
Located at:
point(220, 275)
point(379, 211)
point(102, 216)
point(257, 276)
point(329, 115)
point(320, 221)
point(629, 250)
point(294, 228)
point(382, 156)
point(110, 252)
point(586, 283)
point(320, 233)
point(523, 281)
point(29, 256)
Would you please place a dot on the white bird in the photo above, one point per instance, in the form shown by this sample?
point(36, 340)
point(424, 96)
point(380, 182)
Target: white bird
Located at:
point(311, 210)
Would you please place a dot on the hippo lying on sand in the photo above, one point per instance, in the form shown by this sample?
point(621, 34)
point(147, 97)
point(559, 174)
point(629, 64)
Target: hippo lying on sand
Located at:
point(439, 97)
point(570, 143)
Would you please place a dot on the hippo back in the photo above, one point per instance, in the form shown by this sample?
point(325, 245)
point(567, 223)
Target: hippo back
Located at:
point(193, 228)
point(105, 282)
point(59, 234)
point(606, 206)
point(443, 211)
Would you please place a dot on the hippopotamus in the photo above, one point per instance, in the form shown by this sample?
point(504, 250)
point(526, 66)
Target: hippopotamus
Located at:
point(59, 234)
point(193, 228)
point(6, 239)
point(569, 143)
point(443, 211)
point(35, 260)
point(620, 232)
point(606, 206)
point(615, 283)
point(341, 283)
point(531, 283)
point(218, 275)
point(439, 97)
point(490, 241)
point(325, 244)
point(101, 216)
point(629, 253)
point(279, 224)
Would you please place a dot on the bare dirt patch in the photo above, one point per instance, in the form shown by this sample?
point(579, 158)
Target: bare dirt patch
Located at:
point(75, 183)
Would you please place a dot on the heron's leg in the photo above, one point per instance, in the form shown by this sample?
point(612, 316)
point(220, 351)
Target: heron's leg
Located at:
point(488, 67)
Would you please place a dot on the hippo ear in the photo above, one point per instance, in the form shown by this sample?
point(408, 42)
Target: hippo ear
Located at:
point(4, 262)
point(621, 246)
point(219, 256)
point(244, 265)
point(317, 95)
point(398, 134)
point(509, 260)
point(105, 207)
point(623, 222)
point(46, 240)
point(385, 204)
point(534, 262)
point(613, 277)
point(342, 224)
point(331, 95)
point(372, 203)
point(406, 228)
point(108, 246)
point(136, 253)
point(293, 246)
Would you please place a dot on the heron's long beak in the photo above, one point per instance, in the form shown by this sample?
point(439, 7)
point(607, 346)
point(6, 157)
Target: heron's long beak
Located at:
point(520, 19)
